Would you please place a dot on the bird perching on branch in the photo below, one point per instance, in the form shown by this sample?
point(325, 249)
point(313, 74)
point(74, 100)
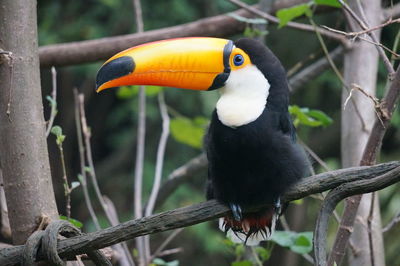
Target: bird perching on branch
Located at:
point(251, 142)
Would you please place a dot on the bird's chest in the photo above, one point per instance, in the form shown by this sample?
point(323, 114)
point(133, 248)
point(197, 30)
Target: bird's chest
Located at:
point(246, 141)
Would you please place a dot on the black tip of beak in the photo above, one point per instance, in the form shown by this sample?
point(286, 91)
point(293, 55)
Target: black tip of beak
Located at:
point(114, 69)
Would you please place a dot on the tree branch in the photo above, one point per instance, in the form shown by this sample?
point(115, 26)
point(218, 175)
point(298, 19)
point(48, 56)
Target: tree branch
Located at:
point(99, 49)
point(369, 156)
point(362, 179)
point(295, 25)
point(335, 196)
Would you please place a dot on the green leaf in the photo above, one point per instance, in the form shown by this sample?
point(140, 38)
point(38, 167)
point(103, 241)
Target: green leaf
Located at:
point(263, 253)
point(283, 238)
point(77, 223)
point(127, 92)
point(303, 243)
point(242, 263)
point(56, 130)
point(248, 20)
point(320, 116)
point(51, 100)
point(307, 117)
point(286, 15)
point(158, 261)
point(239, 250)
point(333, 3)
point(88, 169)
point(189, 132)
point(75, 184)
point(297, 242)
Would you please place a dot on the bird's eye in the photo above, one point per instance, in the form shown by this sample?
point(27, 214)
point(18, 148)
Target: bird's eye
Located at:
point(238, 60)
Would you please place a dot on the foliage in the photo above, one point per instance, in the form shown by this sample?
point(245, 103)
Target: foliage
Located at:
point(161, 262)
point(57, 131)
point(189, 131)
point(286, 15)
point(127, 92)
point(297, 242)
point(309, 117)
point(75, 222)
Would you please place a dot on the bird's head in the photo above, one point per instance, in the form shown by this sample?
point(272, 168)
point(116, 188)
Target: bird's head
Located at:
point(246, 72)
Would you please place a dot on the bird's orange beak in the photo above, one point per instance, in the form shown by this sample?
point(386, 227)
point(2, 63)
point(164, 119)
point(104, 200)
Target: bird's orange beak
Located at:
point(199, 63)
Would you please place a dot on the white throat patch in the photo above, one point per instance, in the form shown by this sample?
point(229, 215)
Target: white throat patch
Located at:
point(243, 98)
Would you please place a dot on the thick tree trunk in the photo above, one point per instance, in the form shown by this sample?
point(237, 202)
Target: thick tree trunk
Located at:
point(24, 158)
point(361, 67)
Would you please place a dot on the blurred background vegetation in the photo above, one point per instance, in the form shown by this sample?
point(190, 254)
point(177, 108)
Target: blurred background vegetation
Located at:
point(112, 117)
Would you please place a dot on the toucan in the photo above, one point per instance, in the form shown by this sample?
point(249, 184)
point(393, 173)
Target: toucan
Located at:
point(251, 141)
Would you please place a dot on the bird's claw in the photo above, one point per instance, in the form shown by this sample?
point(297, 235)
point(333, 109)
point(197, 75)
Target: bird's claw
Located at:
point(278, 206)
point(236, 211)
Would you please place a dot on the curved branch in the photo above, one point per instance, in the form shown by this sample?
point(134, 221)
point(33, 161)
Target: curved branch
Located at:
point(197, 213)
point(334, 197)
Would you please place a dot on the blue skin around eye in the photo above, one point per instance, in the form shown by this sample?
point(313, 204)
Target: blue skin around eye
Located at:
point(238, 60)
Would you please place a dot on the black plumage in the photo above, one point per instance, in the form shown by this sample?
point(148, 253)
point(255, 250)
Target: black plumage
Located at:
point(257, 162)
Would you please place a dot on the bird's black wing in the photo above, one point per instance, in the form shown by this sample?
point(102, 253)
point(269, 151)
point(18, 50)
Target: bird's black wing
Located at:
point(286, 125)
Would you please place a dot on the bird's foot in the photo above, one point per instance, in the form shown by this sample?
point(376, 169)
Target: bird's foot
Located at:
point(236, 211)
point(278, 206)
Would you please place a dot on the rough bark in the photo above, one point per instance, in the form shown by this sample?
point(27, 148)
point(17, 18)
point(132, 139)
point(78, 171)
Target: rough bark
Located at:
point(25, 163)
point(361, 67)
point(351, 181)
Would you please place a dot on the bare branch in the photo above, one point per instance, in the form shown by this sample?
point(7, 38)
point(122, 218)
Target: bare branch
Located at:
point(347, 181)
point(334, 197)
point(364, 25)
point(81, 148)
point(392, 12)
point(94, 50)
point(138, 15)
point(181, 175)
point(392, 223)
point(369, 156)
point(160, 154)
point(295, 25)
point(315, 69)
point(53, 103)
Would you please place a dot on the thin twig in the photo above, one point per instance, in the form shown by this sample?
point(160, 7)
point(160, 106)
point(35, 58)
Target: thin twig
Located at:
point(159, 164)
point(111, 217)
point(138, 16)
point(392, 223)
point(364, 25)
point(164, 244)
point(358, 33)
point(338, 74)
point(314, 155)
point(142, 245)
point(67, 188)
point(160, 154)
point(53, 102)
point(315, 69)
point(295, 25)
point(370, 229)
point(351, 34)
point(83, 180)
